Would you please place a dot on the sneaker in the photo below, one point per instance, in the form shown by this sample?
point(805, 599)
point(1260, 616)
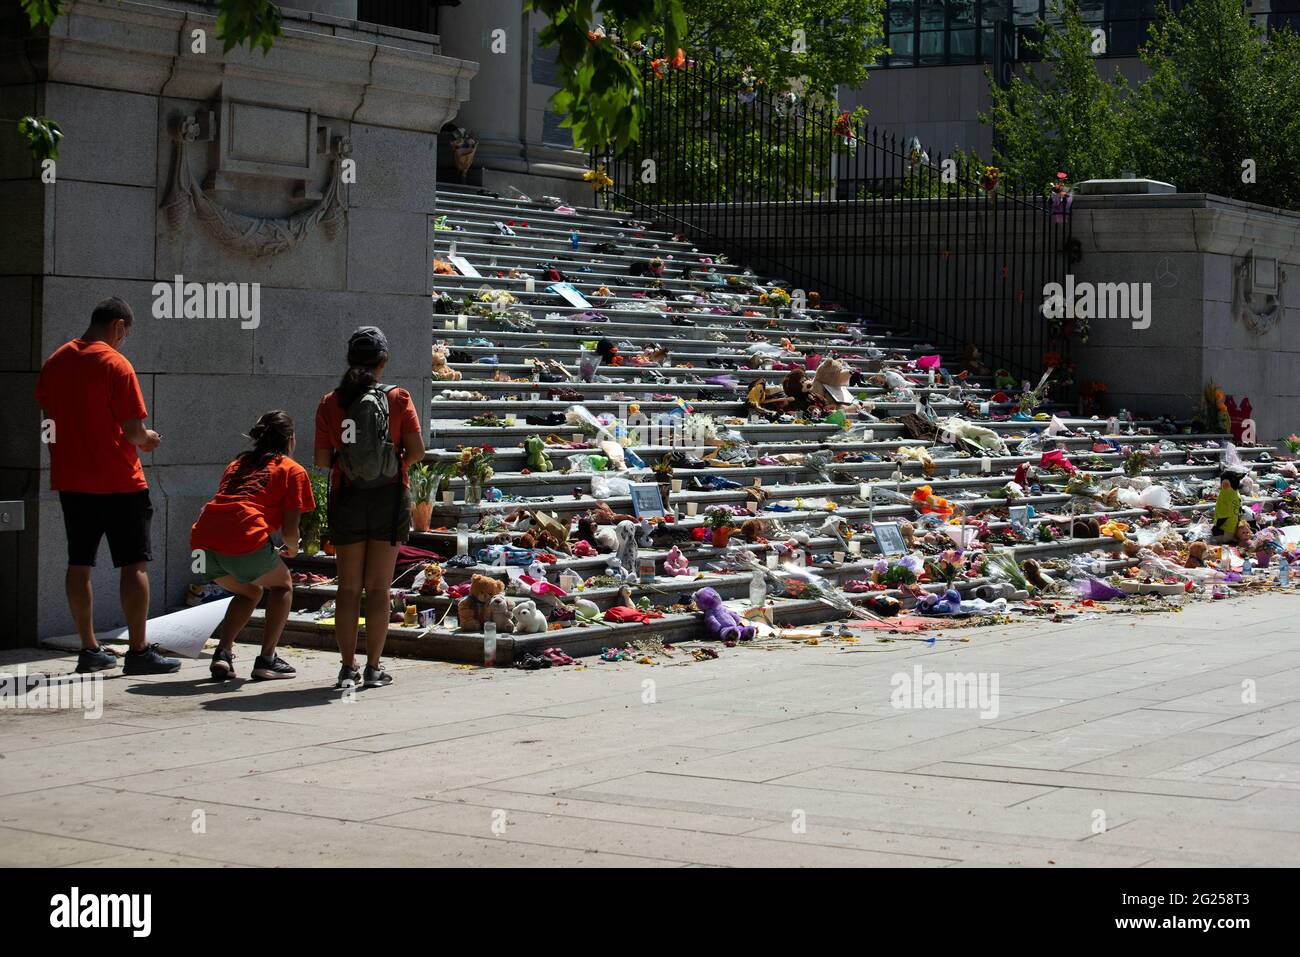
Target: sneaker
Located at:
point(266, 669)
point(95, 659)
point(149, 662)
point(349, 678)
point(223, 665)
point(377, 677)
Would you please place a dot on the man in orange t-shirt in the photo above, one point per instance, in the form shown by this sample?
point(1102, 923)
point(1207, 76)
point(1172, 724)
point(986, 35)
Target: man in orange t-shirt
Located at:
point(94, 426)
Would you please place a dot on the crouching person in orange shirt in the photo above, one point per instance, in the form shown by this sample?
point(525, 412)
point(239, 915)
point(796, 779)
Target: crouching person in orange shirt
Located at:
point(262, 491)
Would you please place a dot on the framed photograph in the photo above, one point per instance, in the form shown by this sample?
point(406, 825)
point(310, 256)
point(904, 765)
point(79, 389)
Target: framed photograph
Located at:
point(889, 538)
point(646, 500)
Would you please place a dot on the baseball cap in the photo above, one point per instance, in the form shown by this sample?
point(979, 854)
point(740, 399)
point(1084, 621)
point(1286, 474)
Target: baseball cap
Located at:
point(365, 345)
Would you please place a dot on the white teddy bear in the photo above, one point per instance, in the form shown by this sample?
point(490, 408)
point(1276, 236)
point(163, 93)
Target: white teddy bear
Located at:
point(528, 620)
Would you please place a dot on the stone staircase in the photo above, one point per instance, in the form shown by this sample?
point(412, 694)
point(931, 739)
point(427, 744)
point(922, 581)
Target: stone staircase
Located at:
point(698, 320)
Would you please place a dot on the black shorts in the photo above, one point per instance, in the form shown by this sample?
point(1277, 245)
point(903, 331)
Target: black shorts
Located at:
point(125, 517)
point(369, 514)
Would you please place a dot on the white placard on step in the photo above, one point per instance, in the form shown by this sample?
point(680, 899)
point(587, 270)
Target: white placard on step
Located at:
point(569, 293)
point(463, 266)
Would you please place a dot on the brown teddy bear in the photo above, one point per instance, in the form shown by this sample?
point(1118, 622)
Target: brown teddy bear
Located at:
point(1196, 555)
point(472, 610)
point(432, 580)
point(441, 370)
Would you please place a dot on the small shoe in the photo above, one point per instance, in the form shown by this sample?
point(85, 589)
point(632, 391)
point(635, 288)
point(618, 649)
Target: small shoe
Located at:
point(222, 667)
point(349, 679)
point(377, 677)
point(95, 659)
point(150, 661)
point(268, 669)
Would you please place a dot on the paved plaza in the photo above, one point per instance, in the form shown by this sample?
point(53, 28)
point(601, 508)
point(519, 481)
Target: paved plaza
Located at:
point(1124, 739)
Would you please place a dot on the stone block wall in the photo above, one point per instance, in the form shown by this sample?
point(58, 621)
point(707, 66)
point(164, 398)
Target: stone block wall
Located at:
point(121, 78)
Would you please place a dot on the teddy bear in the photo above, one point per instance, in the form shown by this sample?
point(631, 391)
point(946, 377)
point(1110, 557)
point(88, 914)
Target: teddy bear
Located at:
point(472, 610)
point(723, 623)
point(537, 460)
point(675, 563)
point(441, 370)
point(751, 530)
point(1196, 555)
point(498, 612)
point(432, 584)
point(528, 620)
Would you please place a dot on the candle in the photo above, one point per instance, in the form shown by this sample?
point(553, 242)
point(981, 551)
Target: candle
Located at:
point(838, 556)
point(692, 507)
point(855, 547)
point(448, 497)
point(677, 485)
point(528, 283)
point(986, 465)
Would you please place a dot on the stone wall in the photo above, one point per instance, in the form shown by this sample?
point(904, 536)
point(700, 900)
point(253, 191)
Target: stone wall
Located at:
point(1188, 246)
point(1191, 247)
point(268, 136)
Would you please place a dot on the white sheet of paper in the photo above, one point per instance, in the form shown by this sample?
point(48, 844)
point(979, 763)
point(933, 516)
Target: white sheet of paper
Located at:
point(569, 293)
point(185, 632)
point(463, 266)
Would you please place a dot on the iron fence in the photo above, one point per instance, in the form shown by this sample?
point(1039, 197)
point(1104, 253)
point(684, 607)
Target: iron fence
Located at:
point(939, 245)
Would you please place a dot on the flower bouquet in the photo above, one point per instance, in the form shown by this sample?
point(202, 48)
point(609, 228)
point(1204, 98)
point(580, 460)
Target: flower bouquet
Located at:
point(464, 145)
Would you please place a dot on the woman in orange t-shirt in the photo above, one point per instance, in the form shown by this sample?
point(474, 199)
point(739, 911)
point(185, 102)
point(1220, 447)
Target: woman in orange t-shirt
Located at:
point(262, 492)
point(370, 503)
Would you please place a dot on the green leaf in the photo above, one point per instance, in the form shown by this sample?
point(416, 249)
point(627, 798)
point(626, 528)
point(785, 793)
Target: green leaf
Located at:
point(43, 135)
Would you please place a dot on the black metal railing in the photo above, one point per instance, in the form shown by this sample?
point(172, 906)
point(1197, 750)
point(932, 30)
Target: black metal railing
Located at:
point(801, 193)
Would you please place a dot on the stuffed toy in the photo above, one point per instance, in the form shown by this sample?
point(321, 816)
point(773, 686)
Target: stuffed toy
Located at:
point(1087, 527)
point(587, 531)
point(442, 371)
point(432, 584)
point(627, 552)
point(675, 563)
point(536, 458)
point(498, 612)
point(751, 530)
point(472, 610)
point(606, 538)
point(949, 603)
point(642, 267)
point(927, 503)
point(1196, 555)
point(608, 353)
point(830, 384)
point(723, 623)
point(604, 515)
point(528, 620)
point(765, 401)
point(798, 390)
point(908, 531)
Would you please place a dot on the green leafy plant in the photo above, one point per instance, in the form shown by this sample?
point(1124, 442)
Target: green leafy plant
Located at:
point(719, 516)
point(43, 135)
point(313, 525)
point(424, 481)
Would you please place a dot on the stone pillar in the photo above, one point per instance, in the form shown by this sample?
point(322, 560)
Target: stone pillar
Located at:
point(263, 201)
point(520, 140)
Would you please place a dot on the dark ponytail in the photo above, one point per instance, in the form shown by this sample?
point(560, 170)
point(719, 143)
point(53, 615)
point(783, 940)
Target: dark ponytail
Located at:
point(356, 381)
point(271, 436)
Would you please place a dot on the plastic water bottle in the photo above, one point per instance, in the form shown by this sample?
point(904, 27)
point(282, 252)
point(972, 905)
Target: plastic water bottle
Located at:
point(1283, 572)
point(757, 590)
point(573, 239)
point(489, 643)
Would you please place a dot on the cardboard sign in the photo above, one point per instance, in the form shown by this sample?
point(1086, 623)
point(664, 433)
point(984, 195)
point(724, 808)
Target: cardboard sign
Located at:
point(569, 293)
point(889, 538)
point(646, 500)
point(463, 266)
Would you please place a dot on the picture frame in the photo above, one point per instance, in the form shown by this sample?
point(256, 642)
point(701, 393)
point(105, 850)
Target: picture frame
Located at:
point(647, 502)
point(889, 538)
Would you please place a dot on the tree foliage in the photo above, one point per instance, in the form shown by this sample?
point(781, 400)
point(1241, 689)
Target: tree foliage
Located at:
point(1219, 111)
point(600, 98)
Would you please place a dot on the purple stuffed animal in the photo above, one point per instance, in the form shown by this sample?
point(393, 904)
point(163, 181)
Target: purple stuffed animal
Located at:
point(724, 624)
